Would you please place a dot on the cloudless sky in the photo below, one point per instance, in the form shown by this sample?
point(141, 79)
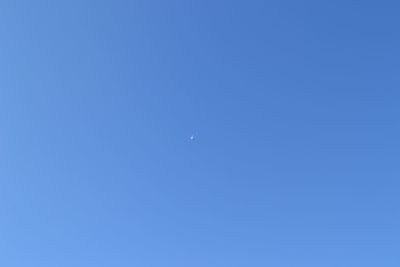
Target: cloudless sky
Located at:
point(296, 109)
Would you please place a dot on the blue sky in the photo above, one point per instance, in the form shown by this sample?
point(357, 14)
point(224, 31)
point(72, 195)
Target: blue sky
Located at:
point(296, 109)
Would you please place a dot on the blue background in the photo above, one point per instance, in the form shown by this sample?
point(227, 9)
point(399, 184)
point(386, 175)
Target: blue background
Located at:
point(296, 107)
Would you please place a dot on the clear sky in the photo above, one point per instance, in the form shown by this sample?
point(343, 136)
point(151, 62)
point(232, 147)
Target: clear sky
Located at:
point(295, 105)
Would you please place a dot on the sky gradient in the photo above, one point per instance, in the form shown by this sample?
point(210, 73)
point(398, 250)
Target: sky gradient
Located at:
point(295, 106)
